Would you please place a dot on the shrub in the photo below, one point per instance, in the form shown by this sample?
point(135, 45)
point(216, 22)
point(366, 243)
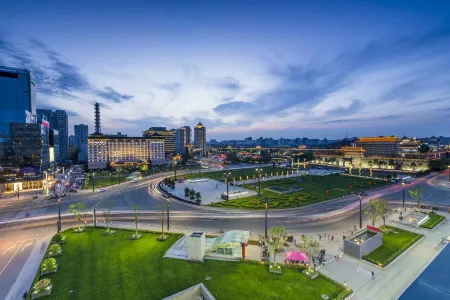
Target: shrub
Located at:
point(42, 285)
point(59, 237)
point(48, 264)
point(55, 248)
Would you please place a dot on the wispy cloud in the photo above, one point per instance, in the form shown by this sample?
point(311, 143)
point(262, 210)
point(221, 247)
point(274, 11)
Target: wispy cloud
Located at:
point(110, 94)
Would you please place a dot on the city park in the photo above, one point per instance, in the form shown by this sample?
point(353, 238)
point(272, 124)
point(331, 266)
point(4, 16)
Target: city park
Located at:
point(98, 262)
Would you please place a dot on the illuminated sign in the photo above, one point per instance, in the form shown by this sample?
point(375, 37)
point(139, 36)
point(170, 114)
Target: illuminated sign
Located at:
point(46, 124)
point(52, 154)
point(30, 117)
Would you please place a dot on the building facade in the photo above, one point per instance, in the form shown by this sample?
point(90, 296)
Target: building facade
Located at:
point(386, 146)
point(104, 150)
point(167, 135)
point(200, 138)
point(81, 135)
point(62, 125)
point(183, 140)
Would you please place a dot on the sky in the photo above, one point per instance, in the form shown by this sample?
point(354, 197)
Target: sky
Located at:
point(243, 68)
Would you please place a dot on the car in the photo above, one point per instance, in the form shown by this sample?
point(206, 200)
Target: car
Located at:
point(101, 190)
point(62, 195)
point(72, 190)
point(135, 180)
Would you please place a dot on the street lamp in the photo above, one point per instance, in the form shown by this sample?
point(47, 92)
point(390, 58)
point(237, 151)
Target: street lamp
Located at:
point(59, 215)
point(93, 180)
point(174, 164)
point(266, 201)
point(403, 185)
point(259, 170)
point(226, 174)
point(46, 182)
point(168, 208)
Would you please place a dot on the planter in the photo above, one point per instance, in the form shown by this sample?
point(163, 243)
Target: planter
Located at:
point(60, 242)
point(39, 294)
point(136, 237)
point(54, 254)
point(78, 230)
point(311, 274)
point(108, 233)
point(49, 271)
point(275, 269)
point(162, 238)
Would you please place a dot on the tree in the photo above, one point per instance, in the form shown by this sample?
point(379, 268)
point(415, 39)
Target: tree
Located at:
point(276, 241)
point(198, 197)
point(192, 194)
point(391, 163)
point(372, 211)
point(376, 162)
point(186, 192)
point(383, 210)
point(308, 245)
point(107, 216)
point(424, 148)
point(79, 211)
point(136, 211)
point(417, 195)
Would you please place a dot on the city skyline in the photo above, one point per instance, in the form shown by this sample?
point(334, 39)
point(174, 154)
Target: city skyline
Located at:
point(311, 70)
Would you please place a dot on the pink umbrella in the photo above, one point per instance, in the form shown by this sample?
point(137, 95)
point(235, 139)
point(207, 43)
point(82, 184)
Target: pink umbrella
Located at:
point(297, 256)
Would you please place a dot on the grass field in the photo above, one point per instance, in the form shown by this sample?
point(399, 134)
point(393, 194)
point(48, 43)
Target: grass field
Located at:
point(104, 179)
point(94, 266)
point(434, 220)
point(314, 190)
point(395, 241)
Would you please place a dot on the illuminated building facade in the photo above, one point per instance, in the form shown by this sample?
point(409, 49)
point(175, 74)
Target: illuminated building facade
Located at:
point(387, 146)
point(109, 149)
point(200, 138)
point(167, 135)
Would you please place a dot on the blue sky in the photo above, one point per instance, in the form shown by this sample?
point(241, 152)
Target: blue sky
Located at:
point(244, 68)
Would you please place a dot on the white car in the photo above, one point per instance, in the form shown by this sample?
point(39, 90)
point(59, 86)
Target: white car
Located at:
point(101, 190)
point(135, 180)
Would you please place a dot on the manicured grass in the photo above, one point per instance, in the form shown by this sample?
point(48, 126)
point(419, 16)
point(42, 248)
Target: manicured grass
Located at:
point(395, 241)
point(434, 220)
point(113, 267)
point(314, 190)
point(104, 179)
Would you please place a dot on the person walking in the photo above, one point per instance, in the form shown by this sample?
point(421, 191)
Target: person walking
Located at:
point(373, 275)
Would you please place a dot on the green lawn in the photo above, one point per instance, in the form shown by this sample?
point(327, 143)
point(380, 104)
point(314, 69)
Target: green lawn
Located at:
point(314, 190)
point(395, 241)
point(104, 179)
point(94, 266)
point(434, 220)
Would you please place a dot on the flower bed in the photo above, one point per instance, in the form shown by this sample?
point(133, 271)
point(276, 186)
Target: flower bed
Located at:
point(54, 250)
point(434, 221)
point(275, 268)
point(59, 238)
point(135, 236)
point(109, 232)
point(48, 266)
point(41, 288)
point(310, 273)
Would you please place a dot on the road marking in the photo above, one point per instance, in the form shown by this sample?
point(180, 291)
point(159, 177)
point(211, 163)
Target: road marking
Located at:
point(12, 247)
point(10, 259)
point(26, 245)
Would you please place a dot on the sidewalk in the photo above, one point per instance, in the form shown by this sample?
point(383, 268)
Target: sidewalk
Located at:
point(392, 280)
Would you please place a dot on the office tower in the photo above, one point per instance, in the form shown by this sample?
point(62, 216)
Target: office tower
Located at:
point(182, 140)
point(98, 128)
point(167, 135)
point(200, 138)
point(80, 141)
point(54, 145)
point(17, 98)
point(61, 124)
point(48, 114)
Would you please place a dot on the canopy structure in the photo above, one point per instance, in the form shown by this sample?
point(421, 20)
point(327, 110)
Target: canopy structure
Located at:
point(297, 256)
point(229, 243)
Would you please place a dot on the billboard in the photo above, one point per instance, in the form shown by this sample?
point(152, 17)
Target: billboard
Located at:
point(52, 154)
point(30, 117)
point(46, 123)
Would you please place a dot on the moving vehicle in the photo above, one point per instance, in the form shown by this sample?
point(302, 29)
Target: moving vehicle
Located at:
point(101, 190)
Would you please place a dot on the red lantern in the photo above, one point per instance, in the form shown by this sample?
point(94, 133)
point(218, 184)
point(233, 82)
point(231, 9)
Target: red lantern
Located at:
point(298, 197)
point(349, 186)
point(254, 200)
point(326, 191)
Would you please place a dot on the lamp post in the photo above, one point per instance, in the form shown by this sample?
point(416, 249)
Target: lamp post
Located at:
point(93, 180)
point(174, 164)
point(266, 201)
point(46, 182)
point(59, 215)
point(226, 174)
point(168, 207)
point(120, 171)
point(403, 185)
point(259, 170)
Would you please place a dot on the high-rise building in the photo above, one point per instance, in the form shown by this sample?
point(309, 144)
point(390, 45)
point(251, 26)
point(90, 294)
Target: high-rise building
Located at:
point(81, 135)
point(48, 114)
point(17, 98)
point(200, 138)
point(167, 135)
point(54, 144)
point(182, 140)
point(62, 125)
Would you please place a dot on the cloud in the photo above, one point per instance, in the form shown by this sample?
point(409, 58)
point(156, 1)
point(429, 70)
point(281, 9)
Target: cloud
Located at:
point(170, 86)
point(234, 107)
point(108, 93)
point(355, 106)
point(229, 83)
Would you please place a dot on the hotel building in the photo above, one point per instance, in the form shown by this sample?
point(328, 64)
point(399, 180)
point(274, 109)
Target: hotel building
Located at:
point(167, 135)
point(387, 146)
point(121, 151)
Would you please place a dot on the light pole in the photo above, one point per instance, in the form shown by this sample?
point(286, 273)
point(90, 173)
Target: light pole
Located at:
point(266, 201)
point(59, 215)
point(226, 174)
point(93, 180)
point(259, 170)
point(46, 182)
point(403, 185)
point(120, 171)
point(168, 207)
point(174, 164)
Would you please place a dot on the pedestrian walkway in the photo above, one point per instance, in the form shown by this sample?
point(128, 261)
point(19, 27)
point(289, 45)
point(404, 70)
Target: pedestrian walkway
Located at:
point(388, 282)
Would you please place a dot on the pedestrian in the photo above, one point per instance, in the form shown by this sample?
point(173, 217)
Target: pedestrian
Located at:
point(345, 284)
point(354, 227)
point(373, 275)
point(357, 268)
point(332, 237)
point(320, 237)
